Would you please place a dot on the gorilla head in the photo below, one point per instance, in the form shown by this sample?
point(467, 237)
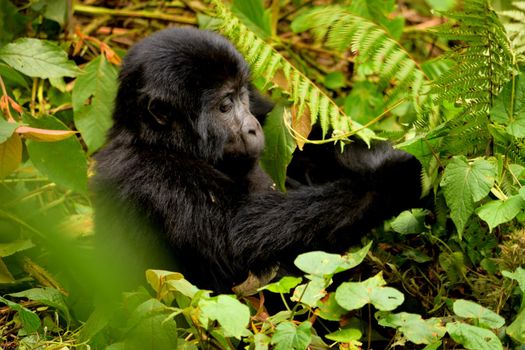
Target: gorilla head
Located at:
point(183, 85)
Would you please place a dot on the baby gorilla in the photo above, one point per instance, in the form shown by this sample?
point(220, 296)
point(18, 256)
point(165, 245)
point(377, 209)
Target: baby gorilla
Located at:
point(178, 185)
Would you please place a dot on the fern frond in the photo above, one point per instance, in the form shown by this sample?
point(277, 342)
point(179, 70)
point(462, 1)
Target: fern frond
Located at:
point(516, 28)
point(343, 30)
point(483, 64)
point(268, 63)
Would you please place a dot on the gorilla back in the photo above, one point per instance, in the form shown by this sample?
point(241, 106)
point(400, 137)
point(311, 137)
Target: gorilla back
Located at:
point(178, 184)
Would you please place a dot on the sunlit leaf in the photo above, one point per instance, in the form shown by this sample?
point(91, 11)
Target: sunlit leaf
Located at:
point(288, 336)
point(44, 135)
point(10, 155)
point(355, 295)
point(232, 315)
point(413, 326)
point(38, 58)
point(465, 183)
point(472, 337)
point(93, 97)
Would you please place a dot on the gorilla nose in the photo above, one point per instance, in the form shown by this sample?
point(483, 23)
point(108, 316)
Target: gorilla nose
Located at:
point(250, 126)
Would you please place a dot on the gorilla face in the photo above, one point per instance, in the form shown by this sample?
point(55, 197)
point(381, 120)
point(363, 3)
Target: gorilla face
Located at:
point(192, 91)
point(228, 118)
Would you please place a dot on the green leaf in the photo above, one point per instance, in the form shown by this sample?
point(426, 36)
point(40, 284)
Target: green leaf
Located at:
point(509, 106)
point(441, 5)
point(261, 341)
point(497, 212)
point(279, 147)
point(284, 285)
point(10, 155)
point(56, 10)
point(150, 327)
point(11, 22)
point(47, 296)
point(12, 76)
point(325, 264)
point(254, 16)
point(30, 320)
point(64, 162)
point(454, 265)
point(231, 314)
point(10, 248)
point(518, 275)
point(413, 326)
point(516, 330)
point(473, 338)
point(464, 184)
point(38, 58)
point(346, 335)
point(355, 295)
point(410, 221)
point(484, 316)
point(334, 80)
point(422, 148)
point(329, 309)
point(288, 336)
point(310, 293)
point(92, 98)
point(6, 129)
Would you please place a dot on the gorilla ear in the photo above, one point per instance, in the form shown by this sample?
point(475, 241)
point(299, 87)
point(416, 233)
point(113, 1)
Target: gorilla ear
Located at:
point(155, 108)
point(260, 105)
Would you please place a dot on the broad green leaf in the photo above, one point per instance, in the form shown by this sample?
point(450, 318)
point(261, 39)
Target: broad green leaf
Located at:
point(38, 58)
point(47, 296)
point(279, 146)
point(509, 106)
point(518, 275)
point(413, 326)
point(93, 97)
point(423, 149)
point(232, 315)
point(329, 309)
point(442, 5)
point(410, 221)
point(56, 10)
point(11, 22)
point(288, 336)
point(310, 293)
point(29, 319)
point(64, 162)
point(473, 338)
point(325, 264)
point(10, 155)
point(364, 102)
point(261, 341)
point(6, 129)
point(284, 285)
point(150, 327)
point(485, 317)
point(10, 248)
point(497, 212)
point(464, 184)
point(334, 80)
point(345, 335)
point(355, 295)
point(516, 330)
point(156, 278)
point(254, 15)
point(454, 265)
point(9, 75)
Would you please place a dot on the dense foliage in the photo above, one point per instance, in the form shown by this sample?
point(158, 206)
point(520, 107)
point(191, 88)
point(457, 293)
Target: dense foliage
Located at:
point(444, 80)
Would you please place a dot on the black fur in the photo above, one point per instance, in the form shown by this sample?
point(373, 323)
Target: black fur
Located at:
point(169, 176)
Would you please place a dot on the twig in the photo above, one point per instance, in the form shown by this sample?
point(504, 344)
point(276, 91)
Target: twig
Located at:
point(93, 10)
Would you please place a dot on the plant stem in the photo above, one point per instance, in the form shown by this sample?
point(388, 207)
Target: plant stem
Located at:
point(93, 10)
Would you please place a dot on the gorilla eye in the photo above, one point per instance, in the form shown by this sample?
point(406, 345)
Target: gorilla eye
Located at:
point(226, 105)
